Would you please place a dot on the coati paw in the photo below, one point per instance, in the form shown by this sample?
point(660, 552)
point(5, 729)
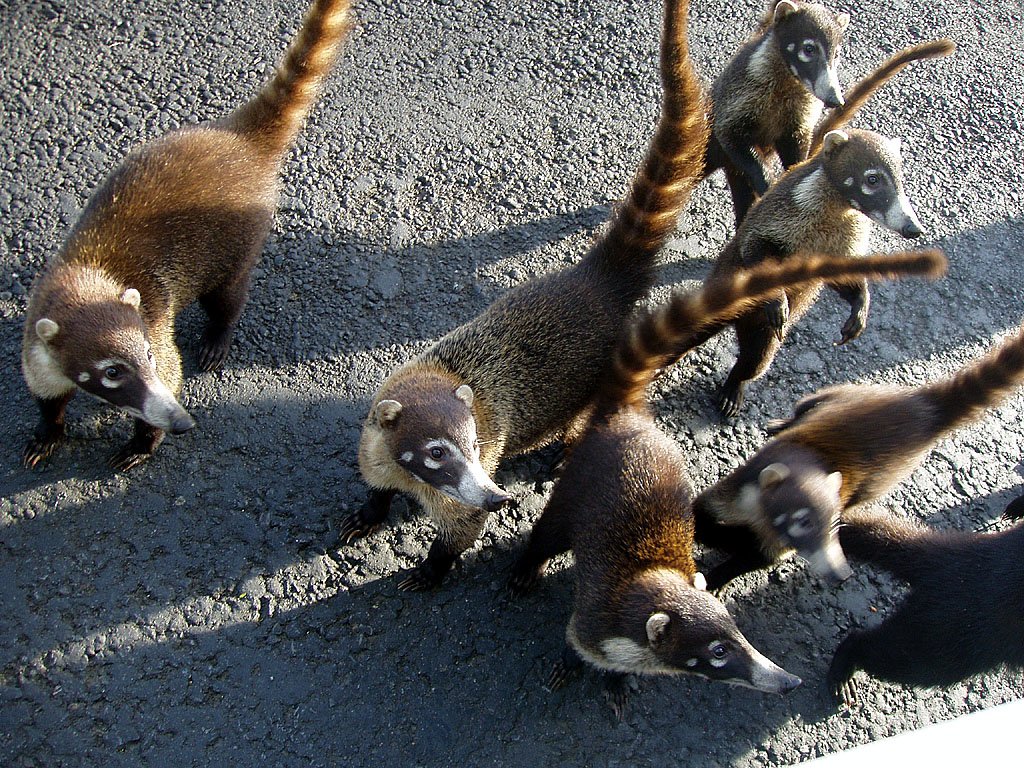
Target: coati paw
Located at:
point(524, 580)
point(562, 672)
point(423, 578)
point(126, 458)
point(1015, 509)
point(844, 691)
point(213, 349)
point(616, 693)
point(853, 328)
point(39, 450)
point(777, 315)
point(730, 401)
point(354, 527)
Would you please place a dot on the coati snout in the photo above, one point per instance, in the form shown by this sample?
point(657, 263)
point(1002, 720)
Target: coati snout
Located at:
point(867, 168)
point(435, 441)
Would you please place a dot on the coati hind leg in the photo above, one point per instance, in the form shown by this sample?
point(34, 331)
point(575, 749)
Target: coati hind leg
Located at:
point(49, 432)
point(855, 294)
point(459, 529)
point(891, 651)
point(552, 535)
point(223, 306)
point(758, 345)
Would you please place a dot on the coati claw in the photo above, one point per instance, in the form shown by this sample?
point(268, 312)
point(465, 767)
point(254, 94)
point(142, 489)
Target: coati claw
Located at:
point(523, 581)
point(213, 352)
point(730, 401)
point(777, 314)
point(39, 450)
point(1015, 509)
point(853, 328)
point(561, 673)
point(844, 692)
point(354, 528)
point(127, 458)
point(420, 579)
point(616, 693)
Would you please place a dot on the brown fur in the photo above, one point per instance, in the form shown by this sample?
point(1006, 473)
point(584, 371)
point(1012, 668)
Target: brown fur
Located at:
point(873, 436)
point(183, 218)
point(535, 358)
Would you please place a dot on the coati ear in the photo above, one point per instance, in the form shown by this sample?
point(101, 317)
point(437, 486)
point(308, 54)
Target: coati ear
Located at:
point(699, 582)
point(46, 328)
point(657, 626)
point(843, 20)
point(387, 412)
point(783, 8)
point(131, 297)
point(834, 482)
point(833, 140)
point(465, 393)
point(772, 475)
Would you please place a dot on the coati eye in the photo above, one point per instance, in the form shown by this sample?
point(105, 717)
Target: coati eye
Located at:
point(437, 453)
point(872, 179)
point(112, 373)
point(718, 650)
point(810, 49)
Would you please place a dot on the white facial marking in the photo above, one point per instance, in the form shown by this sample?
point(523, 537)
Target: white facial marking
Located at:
point(624, 655)
point(802, 513)
point(160, 406)
point(849, 181)
point(901, 212)
point(856, 206)
point(83, 377)
point(691, 663)
point(407, 457)
point(43, 373)
point(748, 501)
point(791, 47)
point(718, 663)
point(779, 520)
point(431, 463)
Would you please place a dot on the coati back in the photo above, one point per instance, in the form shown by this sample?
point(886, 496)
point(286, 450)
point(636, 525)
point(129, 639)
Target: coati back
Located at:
point(623, 505)
point(842, 447)
point(770, 95)
point(182, 219)
point(824, 205)
point(525, 371)
point(964, 614)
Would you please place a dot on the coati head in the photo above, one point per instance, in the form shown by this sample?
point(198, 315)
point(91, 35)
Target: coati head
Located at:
point(678, 627)
point(809, 37)
point(801, 504)
point(430, 432)
point(866, 169)
point(103, 349)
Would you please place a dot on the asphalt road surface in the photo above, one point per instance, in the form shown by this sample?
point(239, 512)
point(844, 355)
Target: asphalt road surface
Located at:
point(198, 610)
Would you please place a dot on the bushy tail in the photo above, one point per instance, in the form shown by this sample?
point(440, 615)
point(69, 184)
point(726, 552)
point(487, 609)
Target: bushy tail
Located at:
point(274, 116)
point(675, 156)
point(981, 385)
point(665, 334)
point(865, 88)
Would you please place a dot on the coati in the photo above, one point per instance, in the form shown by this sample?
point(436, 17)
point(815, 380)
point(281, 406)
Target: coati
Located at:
point(524, 372)
point(964, 614)
point(183, 218)
point(823, 205)
point(842, 447)
point(623, 505)
point(770, 95)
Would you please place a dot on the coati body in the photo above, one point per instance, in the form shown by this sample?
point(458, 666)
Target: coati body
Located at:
point(964, 614)
point(770, 95)
point(623, 505)
point(524, 373)
point(824, 205)
point(842, 447)
point(182, 219)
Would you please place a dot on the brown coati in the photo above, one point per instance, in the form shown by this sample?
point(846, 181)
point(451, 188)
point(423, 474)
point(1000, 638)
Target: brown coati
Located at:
point(524, 372)
point(623, 506)
point(964, 614)
point(183, 218)
point(770, 94)
point(842, 447)
point(824, 205)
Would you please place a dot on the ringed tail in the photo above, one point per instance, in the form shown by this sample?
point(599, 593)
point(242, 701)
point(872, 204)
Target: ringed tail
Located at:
point(665, 334)
point(675, 158)
point(275, 115)
point(900, 546)
point(866, 87)
point(981, 385)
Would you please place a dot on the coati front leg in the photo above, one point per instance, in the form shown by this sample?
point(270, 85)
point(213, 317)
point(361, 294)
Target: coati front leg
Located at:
point(142, 445)
point(552, 535)
point(367, 518)
point(616, 692)
point(746, 160)
point(859, 299)
point(223, 306)
point(564, 670)
point(458, 531)
point(741, 545)
point(792, 149)
point(49, 432)
point(758, 345)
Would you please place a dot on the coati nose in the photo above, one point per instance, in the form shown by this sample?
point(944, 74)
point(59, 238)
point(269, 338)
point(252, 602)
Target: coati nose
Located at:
point(834, 100)
point(496, 501)
point(911, 229)
point(181, 423)
point(789, 683)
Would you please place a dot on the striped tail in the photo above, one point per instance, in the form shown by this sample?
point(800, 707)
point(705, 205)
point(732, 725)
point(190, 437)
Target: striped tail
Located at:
point(674, 161)
point(985, 383)
point(274, 116)
point(865, 88)
point(666, 333)
point(896, 544)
